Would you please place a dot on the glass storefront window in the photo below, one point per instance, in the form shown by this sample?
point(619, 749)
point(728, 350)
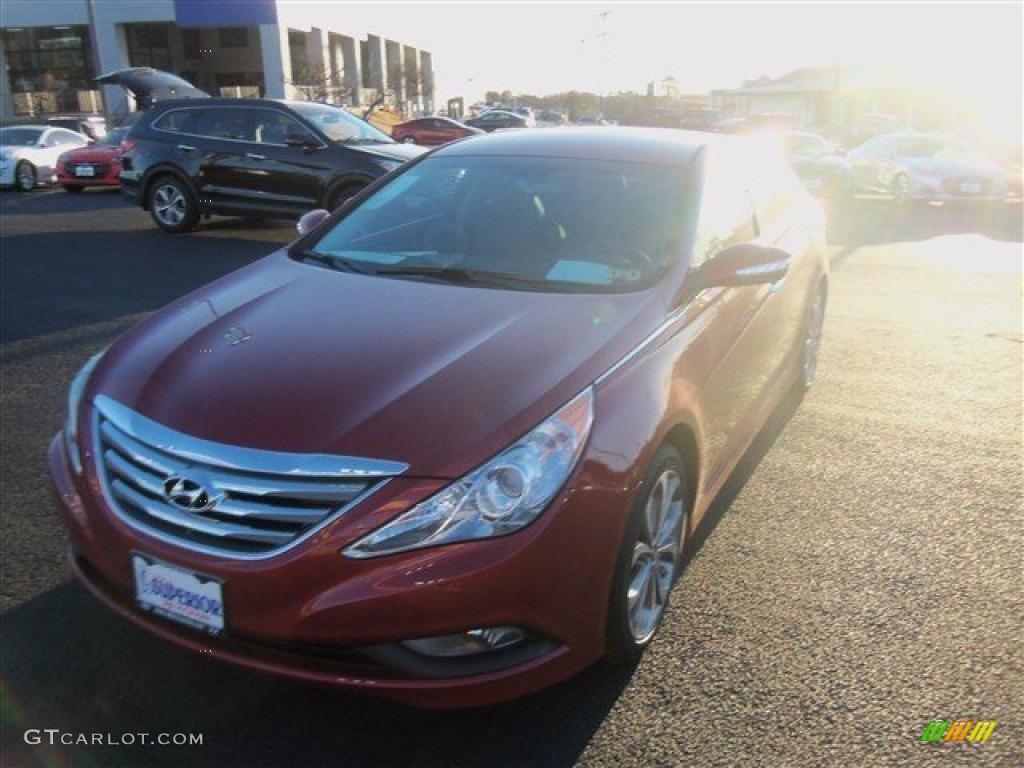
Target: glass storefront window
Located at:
point(50, 69)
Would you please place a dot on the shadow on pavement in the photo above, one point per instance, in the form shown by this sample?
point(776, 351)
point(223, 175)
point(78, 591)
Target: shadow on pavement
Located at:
point(71, 665)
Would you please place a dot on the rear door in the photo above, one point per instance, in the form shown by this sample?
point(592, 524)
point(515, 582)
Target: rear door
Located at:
point(220, 139)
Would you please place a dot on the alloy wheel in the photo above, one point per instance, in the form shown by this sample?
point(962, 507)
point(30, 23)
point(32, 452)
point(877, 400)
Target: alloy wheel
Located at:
point(812, 338)
point(26, 176)
point(169, 205)
point(656, 554)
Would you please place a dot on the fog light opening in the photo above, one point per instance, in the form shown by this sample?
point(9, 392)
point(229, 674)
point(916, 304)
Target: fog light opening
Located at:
point(469, 643)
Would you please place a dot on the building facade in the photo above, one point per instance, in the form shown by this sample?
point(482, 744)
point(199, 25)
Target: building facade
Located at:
point(52, 51)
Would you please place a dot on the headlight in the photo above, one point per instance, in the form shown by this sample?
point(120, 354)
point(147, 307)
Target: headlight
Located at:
point(74, 401)
point(502, 496)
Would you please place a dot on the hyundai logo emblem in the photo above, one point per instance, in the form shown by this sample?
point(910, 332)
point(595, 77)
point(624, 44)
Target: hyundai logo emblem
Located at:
point(189, 495)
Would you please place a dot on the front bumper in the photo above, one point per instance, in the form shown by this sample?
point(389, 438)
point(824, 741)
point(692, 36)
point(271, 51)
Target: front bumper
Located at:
point(311, 614)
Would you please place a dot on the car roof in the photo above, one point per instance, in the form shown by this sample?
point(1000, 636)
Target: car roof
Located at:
point(663, 146)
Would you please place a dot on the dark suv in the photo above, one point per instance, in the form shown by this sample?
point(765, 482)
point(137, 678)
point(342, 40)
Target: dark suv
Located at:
point(250, 157)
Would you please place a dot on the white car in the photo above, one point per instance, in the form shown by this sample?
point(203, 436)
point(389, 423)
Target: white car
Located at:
point(28, 153)
point(926, 167)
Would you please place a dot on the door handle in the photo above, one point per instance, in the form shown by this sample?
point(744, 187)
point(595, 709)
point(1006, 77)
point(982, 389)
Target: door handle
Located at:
point(186, 148)
point(251, 156)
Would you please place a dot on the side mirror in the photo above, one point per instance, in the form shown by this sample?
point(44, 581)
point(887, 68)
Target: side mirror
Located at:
point(311, 220)
point(744, 264)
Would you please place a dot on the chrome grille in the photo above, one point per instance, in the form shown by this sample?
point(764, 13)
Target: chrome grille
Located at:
point(249, 503)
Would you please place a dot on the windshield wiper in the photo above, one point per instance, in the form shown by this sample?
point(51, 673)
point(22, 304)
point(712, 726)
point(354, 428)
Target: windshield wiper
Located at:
point(340, 263)
point(464, 276)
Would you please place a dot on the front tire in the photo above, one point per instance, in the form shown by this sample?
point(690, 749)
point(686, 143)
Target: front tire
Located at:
point(649, 558)
point(25, 176)
point(811, 342)
point(172, 205)
point(900, 189)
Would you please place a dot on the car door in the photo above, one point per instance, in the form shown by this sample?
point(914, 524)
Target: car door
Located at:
point(739, 366)
point(288, 166)
point(53, 143)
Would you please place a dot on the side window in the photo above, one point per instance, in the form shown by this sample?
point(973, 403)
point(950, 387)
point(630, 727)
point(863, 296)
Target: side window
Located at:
point(177, 120)
point(224, 123)
point(726, 213)
point(274, 127)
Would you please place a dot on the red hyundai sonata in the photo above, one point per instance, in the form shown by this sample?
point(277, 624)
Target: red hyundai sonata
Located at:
point(449, 446)
point(97, 165)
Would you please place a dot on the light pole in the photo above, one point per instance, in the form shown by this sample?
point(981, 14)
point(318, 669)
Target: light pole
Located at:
point(603, 34)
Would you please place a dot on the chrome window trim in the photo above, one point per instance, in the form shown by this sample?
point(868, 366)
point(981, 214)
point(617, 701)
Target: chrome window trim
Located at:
point(240, 458)
point(155, 127)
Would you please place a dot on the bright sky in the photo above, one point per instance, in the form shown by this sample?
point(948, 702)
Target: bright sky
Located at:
point(543, 48)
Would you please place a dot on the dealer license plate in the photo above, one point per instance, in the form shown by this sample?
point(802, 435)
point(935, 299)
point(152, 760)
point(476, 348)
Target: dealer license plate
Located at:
point(177, 594)
point(85, 170)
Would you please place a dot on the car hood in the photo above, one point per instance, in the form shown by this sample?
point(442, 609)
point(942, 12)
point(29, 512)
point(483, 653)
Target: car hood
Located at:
point(394, 151)
point(295, 357)
point(149, 85)
point(92, 154)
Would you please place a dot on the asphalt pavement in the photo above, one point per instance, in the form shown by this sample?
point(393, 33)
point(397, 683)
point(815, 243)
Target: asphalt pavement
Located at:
point(859, 576)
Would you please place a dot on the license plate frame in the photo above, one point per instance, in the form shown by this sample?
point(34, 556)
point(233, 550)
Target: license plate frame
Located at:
point(193, 599)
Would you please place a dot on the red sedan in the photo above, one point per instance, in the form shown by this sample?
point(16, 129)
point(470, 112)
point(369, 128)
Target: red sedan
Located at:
point(97, 165)
point(431, 131)
point(452, 444)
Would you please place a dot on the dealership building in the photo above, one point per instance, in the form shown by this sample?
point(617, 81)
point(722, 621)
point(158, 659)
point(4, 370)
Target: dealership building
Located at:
point(52, 50)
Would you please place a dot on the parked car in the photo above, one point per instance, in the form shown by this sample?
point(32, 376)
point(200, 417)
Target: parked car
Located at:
point(92, 126)
point(28, 154)
point(925, 167)
point(496, 119)
point(549, 118)
point(431, 131)
point(97, 165)
point(818, 163)
point(450, 446)
point(251, 157)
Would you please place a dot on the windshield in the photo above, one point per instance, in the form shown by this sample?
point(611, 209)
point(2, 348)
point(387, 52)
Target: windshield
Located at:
point(19, 137)
point(523, 223)
point(338, 125)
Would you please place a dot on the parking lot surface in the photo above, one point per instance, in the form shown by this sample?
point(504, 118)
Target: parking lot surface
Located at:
point(859, 577)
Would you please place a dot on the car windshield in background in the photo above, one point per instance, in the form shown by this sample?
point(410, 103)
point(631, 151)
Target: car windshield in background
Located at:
point(522, 223)
point(338, 125)
point(19, 137)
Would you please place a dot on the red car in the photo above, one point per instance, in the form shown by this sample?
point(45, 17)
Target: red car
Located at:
point(450, 445)
point(431, 131)
point(97, 165)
